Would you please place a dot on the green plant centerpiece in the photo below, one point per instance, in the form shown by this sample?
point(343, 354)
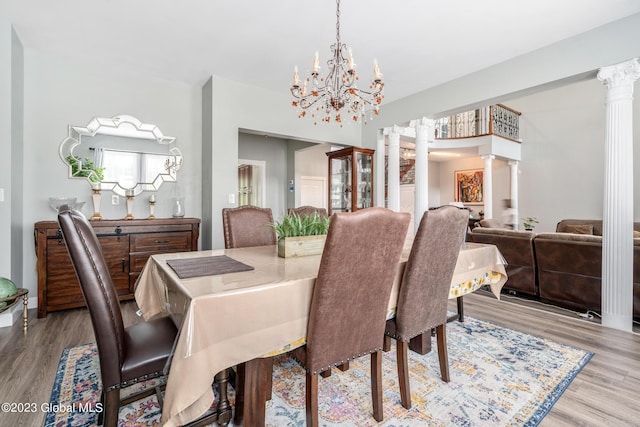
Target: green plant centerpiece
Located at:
point(530, 222)
point(301, 235)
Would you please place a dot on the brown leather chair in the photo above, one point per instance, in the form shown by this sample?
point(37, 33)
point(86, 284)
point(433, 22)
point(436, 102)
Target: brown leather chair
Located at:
point(247, 226)
point(307, 210)
point(424, 291)
point(127, 355)
point(350, 298)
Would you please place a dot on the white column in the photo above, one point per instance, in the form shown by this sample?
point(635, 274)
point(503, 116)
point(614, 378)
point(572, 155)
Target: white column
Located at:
point(379, 171)
point(513, 164)
point(617, 226)
point(424, 134)
point(393, 178)
point(487, 186)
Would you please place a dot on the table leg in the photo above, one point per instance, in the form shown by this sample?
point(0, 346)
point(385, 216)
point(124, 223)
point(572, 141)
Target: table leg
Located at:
point(460, 309)
point(459, 316)
point(224, 407)
point(251, 393)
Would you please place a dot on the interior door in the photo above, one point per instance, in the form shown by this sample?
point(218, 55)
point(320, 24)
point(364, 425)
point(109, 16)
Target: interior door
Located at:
point(313, 191)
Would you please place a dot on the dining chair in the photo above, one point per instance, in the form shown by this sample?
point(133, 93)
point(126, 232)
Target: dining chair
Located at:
point(350, 298)
point(127, 354)
point(247, 226)
point(424, 290)
point(307, 210)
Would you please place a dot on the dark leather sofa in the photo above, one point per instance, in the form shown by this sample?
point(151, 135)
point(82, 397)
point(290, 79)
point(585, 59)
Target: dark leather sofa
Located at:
point(567, 267)
point(517, 249)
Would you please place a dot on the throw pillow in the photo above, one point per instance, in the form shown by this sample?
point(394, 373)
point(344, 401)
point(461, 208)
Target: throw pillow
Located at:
point(491, 223)
point(636, 234)
point(578, 229)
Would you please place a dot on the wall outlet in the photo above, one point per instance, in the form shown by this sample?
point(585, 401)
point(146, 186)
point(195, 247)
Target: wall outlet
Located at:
point(232, 198)
point(1, 194)
point(115, 199)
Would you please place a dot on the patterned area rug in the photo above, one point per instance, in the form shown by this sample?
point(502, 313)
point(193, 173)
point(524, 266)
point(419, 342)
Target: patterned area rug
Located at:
point(499, 377)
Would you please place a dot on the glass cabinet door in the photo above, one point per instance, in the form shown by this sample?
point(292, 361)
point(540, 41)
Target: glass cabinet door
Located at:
point(341, 184)
point(351, 179)
point(364, 196)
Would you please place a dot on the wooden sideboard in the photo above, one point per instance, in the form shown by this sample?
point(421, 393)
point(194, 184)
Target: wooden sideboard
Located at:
point(126, 244)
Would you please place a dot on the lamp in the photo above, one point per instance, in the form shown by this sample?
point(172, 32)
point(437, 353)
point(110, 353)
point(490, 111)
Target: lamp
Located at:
point(337, 97)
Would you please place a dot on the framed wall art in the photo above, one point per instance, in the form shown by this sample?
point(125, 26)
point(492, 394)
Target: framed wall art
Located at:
point(468, 186)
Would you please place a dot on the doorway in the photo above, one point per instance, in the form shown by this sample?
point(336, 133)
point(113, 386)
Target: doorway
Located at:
point(251, 182)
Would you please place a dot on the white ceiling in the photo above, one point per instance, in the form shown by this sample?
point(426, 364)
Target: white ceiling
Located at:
point(418, 43)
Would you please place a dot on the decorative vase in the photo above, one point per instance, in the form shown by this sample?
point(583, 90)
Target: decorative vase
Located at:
point(178, 207)
point(301, 246)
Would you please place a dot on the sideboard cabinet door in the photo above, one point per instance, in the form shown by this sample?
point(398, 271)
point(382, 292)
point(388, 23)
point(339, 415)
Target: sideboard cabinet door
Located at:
point(126, 246)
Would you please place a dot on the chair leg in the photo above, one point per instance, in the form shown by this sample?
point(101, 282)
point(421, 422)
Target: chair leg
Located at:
point(376, 385)
point(443, 357)
point(402, 357)
point(386, 344)
point(344, 367)
point(312, 400)
point(111, 408)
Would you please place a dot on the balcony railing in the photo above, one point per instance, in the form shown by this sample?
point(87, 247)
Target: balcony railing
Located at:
point(491, 120)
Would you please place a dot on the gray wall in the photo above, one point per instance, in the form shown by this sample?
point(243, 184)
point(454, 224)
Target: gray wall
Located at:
point(273, 151)
point(62, 91)
point(11, 147)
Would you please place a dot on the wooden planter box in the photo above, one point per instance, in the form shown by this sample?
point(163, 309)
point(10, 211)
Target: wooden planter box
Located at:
point(301, 246)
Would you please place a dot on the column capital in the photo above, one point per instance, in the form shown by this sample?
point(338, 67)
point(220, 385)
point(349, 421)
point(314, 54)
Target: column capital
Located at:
point(513, 162)
point(620, 74)
point(488, 157)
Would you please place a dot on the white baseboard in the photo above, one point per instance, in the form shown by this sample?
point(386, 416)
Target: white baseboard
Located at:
point(9, 317)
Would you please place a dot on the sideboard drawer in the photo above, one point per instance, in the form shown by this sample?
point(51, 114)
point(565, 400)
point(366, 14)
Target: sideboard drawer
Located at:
point(161, 242)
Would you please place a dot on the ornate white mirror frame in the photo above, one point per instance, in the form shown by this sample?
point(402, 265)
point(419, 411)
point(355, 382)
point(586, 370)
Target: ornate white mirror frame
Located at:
point(121, 154)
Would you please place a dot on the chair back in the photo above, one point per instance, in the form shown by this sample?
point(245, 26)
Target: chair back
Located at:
point(247, 226)
point(351, 294)
point(98, 291)
point(424, 291)
point(307, 210)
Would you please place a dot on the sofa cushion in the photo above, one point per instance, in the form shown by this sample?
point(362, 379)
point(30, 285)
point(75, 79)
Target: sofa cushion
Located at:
point(588, 238)
point(491, 223)
point(503, 232)
point(576, 228)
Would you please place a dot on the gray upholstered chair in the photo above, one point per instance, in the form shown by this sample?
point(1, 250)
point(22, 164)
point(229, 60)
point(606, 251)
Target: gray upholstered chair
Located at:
point(350, 298)
point(127, 355)
point(424, 290)
point(247, 226)
point(307, 210)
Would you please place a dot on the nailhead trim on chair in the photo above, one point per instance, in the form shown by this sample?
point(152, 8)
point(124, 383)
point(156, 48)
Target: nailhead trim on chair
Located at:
point(333, 365)
point(145, 377)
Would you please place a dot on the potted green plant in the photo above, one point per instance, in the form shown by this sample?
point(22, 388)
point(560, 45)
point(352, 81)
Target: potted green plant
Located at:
point(301, 235)
point(529, 223)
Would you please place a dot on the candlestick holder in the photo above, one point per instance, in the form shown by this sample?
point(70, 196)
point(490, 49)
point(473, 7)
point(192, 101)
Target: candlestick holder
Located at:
point(96, 199)
point(129, 206)
point(152, 207)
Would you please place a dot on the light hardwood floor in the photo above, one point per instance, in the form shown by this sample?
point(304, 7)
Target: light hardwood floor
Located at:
point(605, 393)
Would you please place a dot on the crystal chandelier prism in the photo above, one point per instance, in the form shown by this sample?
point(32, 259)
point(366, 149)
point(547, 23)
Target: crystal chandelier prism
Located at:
point(336, 97)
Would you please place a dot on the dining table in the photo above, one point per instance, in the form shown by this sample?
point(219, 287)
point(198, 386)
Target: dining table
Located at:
point(238, 307)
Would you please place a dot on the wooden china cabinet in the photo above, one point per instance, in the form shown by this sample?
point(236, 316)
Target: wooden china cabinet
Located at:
point(350, 179)
point(126, 244)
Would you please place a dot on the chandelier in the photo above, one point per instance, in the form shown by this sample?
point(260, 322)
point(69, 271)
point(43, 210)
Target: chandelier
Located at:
point(337, 97)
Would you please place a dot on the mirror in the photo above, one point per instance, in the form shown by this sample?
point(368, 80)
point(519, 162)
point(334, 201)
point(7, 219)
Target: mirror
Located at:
point(122, 154)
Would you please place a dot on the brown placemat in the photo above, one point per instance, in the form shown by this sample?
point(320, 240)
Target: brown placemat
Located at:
point(206, 266)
